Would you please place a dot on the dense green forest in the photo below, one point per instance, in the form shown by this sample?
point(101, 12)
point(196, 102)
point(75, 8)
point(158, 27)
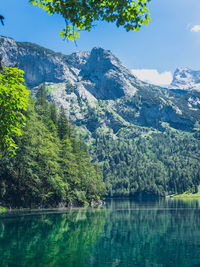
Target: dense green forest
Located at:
point(51, 165)
point(157, 163)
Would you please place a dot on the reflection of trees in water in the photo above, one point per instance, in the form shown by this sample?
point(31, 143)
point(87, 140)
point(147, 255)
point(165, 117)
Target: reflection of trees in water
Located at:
point(126, 234)
point(141, 236)
point(50, 240)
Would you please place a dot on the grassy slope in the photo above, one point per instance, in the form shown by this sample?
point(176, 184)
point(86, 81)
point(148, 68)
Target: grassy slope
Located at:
point(187, 195)
point(2, 209)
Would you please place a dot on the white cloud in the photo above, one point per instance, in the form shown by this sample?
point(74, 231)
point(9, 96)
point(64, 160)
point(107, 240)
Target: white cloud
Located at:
point(153, 76)
point(195, 28)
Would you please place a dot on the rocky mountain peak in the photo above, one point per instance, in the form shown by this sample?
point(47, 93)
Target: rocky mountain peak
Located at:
point(78, 59)
point(186, 79)
point(112, 80)
point(182, 69)
point(102, 60)
point(98, 72)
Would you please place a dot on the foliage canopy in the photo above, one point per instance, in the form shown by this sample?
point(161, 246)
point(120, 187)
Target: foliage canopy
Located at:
point(13, 103)
point(81, 14)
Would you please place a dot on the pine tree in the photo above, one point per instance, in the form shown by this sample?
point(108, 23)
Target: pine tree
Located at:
point(53, 113)
point(63, 125)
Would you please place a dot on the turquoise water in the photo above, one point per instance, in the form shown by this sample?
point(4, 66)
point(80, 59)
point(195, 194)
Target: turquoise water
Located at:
point(123, 233)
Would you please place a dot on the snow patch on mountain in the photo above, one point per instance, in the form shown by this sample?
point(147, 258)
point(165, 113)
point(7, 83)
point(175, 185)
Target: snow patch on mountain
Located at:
point(186, 79)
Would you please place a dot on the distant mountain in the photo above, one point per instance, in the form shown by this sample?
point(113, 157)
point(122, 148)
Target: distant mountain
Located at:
point(186, 79)
point(145, 137)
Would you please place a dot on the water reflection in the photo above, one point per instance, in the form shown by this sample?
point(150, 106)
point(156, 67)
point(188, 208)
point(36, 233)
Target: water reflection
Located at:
point(125, 233)
point(50, 240)
point(162, 233)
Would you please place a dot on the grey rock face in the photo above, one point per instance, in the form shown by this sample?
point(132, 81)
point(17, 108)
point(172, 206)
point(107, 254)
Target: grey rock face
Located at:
point(8, 51)
point(186, 79)
point(99, 71)
point(111, 79)
point(100, 95)
point(39, 64)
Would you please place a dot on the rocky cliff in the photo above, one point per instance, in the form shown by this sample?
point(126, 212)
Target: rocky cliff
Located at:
point(99, 71)
point(186, 79)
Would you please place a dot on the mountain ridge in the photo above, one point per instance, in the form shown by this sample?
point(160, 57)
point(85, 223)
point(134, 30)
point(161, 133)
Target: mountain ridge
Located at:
point(44, 65)
point(71, 65)
point(97, 82)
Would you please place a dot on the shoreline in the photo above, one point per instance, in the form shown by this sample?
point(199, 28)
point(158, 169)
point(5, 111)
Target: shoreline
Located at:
point(29, 212)
point(59, 209)
point(184, 196)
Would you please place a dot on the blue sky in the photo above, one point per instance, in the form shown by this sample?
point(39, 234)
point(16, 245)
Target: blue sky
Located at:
point(171, 39)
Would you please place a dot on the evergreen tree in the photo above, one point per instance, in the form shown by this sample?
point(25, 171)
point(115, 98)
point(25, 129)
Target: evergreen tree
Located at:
point(63, 125)
point(53, 113)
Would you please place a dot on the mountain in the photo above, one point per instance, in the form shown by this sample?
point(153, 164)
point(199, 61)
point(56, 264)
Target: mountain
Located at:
point(97, 91)
point(145, 137)
point(99, 71)
point(186, 79)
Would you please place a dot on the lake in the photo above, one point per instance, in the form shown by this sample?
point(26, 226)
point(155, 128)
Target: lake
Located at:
point(123, 233)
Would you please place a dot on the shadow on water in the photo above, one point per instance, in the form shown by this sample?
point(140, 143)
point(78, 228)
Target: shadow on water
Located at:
point(124, 233)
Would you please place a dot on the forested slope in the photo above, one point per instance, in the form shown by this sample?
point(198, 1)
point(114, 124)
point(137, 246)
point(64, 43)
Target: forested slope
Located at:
point(52, 166)
point(157, 163)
